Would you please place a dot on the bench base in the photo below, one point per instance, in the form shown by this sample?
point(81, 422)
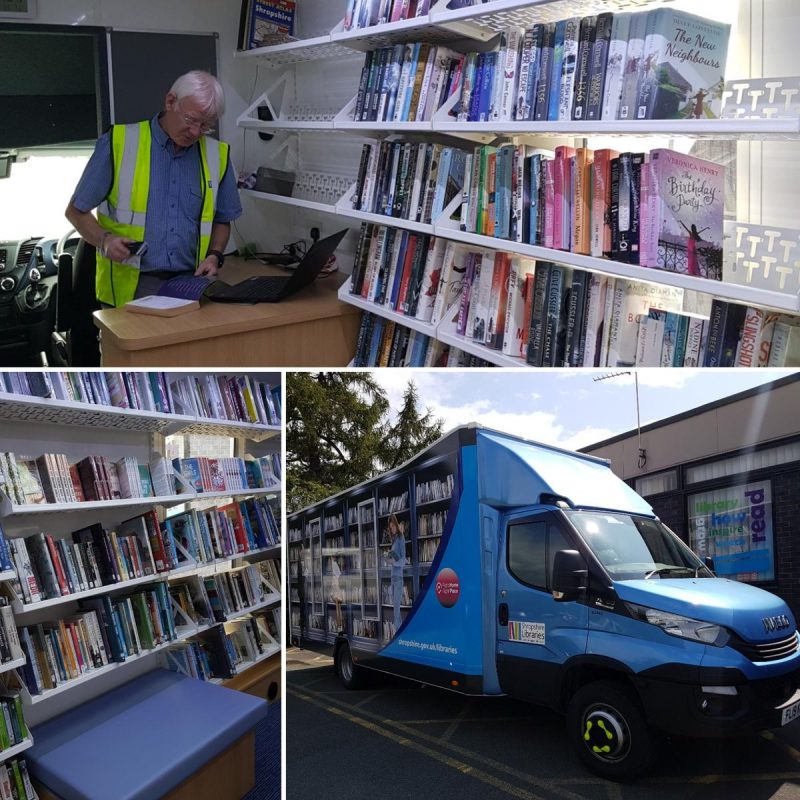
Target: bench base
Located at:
point(229, 776)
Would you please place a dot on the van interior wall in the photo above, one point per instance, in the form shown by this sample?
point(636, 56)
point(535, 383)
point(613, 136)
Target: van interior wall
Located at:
point(320, 86)
point(774, 165)
point(768, 172)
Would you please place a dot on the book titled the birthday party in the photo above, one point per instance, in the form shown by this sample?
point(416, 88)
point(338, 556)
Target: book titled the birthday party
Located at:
point(681, 215)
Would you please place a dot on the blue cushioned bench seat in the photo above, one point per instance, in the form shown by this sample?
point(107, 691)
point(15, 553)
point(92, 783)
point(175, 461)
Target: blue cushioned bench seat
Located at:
point(141, 740)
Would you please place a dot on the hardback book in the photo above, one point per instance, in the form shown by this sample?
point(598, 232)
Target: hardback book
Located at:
point(683, 68)
point(683, 209)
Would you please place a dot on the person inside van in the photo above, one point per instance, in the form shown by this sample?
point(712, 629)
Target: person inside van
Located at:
point(164, 182)
point(397, 557)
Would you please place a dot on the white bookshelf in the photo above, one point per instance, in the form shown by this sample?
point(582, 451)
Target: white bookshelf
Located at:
point(467, 29)
point(33, 426)
point(9, 509)
point(11, 752)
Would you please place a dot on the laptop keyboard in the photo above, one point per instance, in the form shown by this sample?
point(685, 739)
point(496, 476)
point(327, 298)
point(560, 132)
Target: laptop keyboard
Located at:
point(263, 289)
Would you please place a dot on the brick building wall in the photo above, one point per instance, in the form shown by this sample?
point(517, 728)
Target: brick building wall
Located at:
point(671, 510)
point(786, 505)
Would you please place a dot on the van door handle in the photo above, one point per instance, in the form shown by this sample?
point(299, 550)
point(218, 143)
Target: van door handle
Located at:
point(503, 613)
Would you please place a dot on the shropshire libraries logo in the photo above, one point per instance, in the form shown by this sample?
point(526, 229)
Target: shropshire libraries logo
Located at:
point(448, 587)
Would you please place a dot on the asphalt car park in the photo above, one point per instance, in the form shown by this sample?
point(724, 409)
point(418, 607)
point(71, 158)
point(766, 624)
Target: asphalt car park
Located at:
point(398, 739)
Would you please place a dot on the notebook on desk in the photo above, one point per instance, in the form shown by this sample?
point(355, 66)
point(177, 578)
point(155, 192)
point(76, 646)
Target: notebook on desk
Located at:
point(268, 289)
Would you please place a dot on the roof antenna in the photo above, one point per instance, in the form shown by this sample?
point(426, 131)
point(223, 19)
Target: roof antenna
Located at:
point(642, 460)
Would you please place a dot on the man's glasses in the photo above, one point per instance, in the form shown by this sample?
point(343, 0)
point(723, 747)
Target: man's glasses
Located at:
point(200, 124)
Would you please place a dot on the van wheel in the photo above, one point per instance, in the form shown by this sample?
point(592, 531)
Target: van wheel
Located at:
point(608, 730)
point(351, 676)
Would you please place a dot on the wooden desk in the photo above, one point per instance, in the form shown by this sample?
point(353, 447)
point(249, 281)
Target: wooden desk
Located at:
point(310, 329)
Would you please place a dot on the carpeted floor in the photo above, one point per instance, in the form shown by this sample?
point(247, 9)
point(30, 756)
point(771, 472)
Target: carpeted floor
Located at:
point(268, 757)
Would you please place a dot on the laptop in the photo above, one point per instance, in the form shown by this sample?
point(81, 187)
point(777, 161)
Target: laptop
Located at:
point(273, 289)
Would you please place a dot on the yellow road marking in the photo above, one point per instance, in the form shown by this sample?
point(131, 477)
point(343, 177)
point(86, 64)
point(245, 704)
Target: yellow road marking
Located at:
point(462, 752)
point(448, 761)
point(556, 785)
point(792, 752)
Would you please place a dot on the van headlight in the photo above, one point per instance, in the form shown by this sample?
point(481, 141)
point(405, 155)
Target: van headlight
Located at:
point(683, 627)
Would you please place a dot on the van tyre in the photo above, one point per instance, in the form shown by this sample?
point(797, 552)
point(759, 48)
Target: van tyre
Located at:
point(607, 728)
point(351, 676)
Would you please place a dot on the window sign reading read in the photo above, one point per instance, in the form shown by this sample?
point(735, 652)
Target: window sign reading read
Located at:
point(734, 527)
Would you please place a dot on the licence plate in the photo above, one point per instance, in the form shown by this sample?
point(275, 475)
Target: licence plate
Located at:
point(790, 713)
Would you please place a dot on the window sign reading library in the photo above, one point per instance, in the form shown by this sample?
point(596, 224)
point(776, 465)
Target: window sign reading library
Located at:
point(734, 526)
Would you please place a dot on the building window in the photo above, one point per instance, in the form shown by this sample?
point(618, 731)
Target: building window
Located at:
point(734, 526)
point(746, 462)
point(658, 483)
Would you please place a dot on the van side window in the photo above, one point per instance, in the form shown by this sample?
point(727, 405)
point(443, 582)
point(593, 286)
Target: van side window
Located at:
point(532, 546)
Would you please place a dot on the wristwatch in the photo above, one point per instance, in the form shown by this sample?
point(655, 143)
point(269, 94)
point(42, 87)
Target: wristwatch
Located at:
point(220, 257)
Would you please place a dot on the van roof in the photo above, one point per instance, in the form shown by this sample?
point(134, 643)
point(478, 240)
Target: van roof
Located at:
point(467, 434)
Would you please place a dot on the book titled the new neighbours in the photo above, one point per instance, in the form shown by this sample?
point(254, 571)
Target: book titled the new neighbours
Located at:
point(682, 74)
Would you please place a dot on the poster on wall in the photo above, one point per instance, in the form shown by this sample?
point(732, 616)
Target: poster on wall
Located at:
point(734, 526)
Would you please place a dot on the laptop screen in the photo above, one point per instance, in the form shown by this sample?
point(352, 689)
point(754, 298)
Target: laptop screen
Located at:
point(313, 262)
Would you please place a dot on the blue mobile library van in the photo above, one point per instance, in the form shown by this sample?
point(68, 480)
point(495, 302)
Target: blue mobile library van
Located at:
point(489, 565)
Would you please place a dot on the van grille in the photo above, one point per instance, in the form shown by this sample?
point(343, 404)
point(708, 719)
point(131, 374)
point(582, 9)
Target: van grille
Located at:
point(768, 651)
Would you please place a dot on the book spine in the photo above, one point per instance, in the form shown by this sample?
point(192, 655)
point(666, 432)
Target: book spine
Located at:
point(615, 65)
point(568, 65)
point(583, 67)
point(543, 80)
point(598, 70)
point(537, 320)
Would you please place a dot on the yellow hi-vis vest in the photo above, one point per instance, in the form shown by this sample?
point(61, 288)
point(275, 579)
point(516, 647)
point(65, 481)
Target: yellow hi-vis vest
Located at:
point(123, 212)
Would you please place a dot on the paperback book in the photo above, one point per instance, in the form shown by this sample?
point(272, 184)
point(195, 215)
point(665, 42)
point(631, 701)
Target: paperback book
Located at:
point(682, 209)
point(683, 69)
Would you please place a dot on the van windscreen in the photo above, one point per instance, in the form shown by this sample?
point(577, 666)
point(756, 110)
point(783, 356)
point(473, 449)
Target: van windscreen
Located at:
point(632, 547)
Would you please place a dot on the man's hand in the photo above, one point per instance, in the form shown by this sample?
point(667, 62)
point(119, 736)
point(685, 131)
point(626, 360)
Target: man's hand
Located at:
point(116, 247)
point(208, 267)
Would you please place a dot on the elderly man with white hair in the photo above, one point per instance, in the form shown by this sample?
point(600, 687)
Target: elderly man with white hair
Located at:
point(164, 181)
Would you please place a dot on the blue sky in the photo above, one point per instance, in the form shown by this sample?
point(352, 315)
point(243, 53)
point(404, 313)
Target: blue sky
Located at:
point(566, 408)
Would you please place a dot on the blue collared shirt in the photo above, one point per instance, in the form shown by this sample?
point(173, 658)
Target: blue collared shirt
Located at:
point(174, 202)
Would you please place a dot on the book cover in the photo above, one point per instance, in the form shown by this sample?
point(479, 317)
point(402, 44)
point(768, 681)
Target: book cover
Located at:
point(637, 299)
point(615, 65)
point(690, 209)
point(683, 68)
point(271, 22)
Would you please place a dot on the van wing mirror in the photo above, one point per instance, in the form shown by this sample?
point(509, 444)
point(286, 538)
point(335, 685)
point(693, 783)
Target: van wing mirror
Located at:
point(709, 562)
point(570, 575)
